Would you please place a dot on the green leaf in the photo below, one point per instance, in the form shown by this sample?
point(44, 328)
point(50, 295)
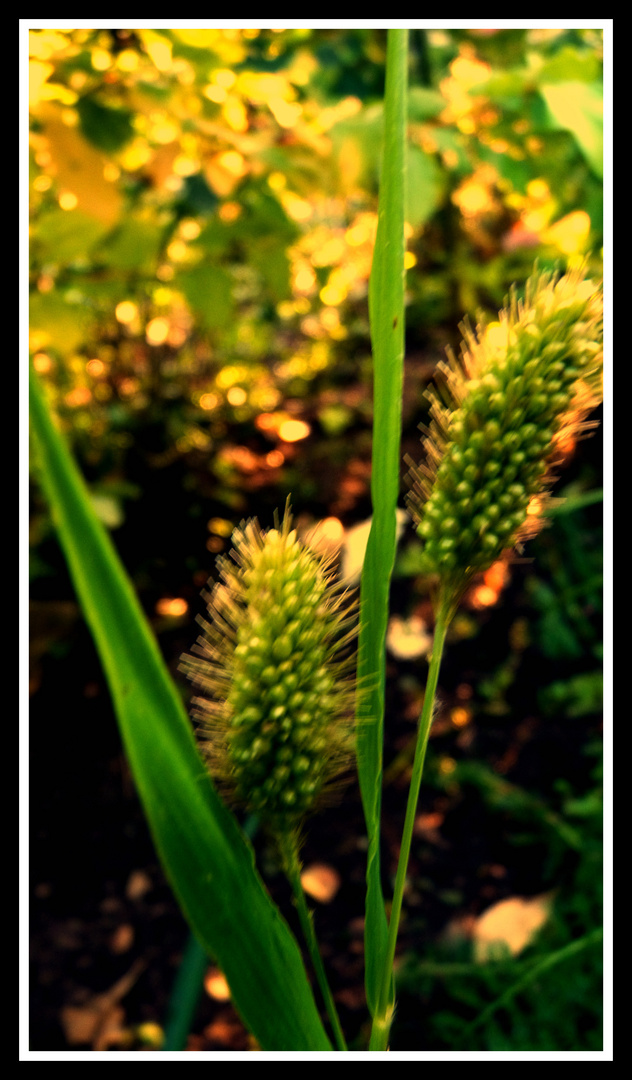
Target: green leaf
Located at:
point(424, 103)
point(134, 245)
point(273, 264)
point(67, 235)
point(569, 65)
point(65, 325)
point(578, 107)
point(424, 187)
point(386, 312)
point(107, 128)
point(196, 197)
point(205, 855)
point(580, 695)
point(209, 292)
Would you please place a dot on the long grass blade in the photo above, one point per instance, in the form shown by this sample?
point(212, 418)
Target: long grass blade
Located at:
point(204, 853)
point(386, 310)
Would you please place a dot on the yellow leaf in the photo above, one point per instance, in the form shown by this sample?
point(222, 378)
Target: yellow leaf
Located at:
point(39, 72)
point(79, 168)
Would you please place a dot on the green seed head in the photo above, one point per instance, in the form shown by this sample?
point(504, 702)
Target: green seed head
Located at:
point(521, 387)
point(271, 668)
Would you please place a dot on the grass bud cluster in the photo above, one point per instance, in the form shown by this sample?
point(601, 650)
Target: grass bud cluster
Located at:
point(271, 669)
point(521, 387)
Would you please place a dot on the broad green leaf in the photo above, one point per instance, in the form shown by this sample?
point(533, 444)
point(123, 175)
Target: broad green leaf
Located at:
point(204, 853)
point(570, 65)
point(386, 311)
point(66, 235)
point(578, 107)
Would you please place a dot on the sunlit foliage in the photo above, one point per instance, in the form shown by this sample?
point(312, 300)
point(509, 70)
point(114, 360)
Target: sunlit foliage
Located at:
point(204, 209)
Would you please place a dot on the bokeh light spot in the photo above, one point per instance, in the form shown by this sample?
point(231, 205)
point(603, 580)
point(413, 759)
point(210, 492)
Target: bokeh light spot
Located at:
point(294, 430)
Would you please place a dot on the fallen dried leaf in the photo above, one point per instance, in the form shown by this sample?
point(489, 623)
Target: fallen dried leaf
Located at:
point(99, 1021)
point(510, 925)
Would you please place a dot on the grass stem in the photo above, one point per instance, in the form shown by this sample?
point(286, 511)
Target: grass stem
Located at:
point(292, 868)
point(381, 1026)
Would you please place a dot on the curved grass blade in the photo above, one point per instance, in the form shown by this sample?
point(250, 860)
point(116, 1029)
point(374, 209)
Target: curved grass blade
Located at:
point(386, 311)
point(205, 855)
point(535, 971)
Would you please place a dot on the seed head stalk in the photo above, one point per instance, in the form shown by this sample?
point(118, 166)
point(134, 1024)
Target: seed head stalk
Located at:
point(289, 849)
point(275, 697)
point(521, 387)
point(382, 1021)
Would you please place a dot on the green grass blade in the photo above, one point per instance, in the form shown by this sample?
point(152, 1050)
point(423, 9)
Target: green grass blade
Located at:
point(186, 994)
point(386, 310)
point(535, 972)
point(205, 855)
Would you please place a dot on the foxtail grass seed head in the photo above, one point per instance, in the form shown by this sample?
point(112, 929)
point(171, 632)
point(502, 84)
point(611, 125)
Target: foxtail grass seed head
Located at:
point(520, 390)
point(271, 669)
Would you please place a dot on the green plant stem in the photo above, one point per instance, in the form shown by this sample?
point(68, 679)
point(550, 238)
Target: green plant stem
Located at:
point(383, 1018)
point(292, 867)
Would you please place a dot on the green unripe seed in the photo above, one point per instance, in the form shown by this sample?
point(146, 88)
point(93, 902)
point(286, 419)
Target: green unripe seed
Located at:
point(282, 648)
point(492, 432)
point(278, 711)
point(493, 449)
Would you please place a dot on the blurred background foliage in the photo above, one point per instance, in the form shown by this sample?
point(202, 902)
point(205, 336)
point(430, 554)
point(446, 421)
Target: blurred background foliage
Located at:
point(203, 213)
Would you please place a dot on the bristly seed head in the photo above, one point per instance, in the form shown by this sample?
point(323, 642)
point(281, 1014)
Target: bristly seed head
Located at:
point(272, 671)
point(521, 387)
